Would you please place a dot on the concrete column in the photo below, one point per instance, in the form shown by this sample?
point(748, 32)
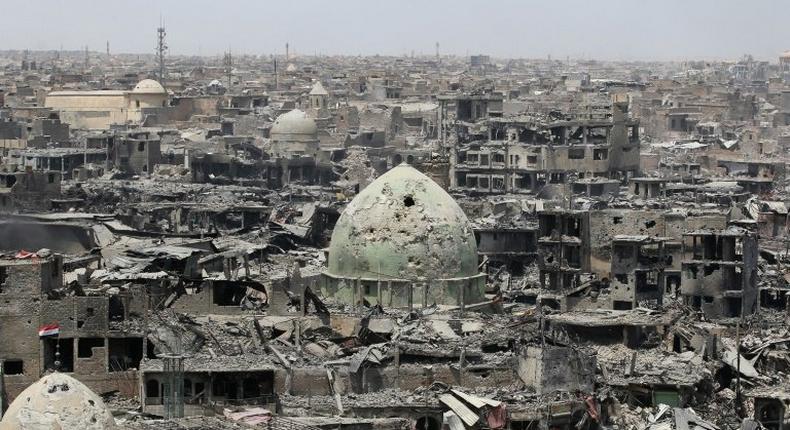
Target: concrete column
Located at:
point(440, 120)
point(463, 297)
point(411, 297)
point(397, 364)
point(2, 389)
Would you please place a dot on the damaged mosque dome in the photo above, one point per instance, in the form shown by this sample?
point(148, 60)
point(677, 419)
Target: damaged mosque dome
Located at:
point(403, 240)
point(55, 402)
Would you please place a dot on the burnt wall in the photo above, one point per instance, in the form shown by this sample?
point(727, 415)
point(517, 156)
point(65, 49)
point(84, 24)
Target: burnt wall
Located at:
point(32, 236)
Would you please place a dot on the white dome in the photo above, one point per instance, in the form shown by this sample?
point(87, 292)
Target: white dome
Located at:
point(149, 86)
point(295, 122)
point(56, 402)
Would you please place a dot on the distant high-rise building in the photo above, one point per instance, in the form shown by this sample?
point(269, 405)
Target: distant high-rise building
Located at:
point(479, 60)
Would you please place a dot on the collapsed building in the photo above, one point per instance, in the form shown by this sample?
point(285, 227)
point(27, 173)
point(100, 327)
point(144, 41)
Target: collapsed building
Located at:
point(525, 155)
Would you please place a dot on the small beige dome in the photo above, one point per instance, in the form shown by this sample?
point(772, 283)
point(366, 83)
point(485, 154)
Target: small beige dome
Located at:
point(149, 86)
point(57, 402)
point(295, 122)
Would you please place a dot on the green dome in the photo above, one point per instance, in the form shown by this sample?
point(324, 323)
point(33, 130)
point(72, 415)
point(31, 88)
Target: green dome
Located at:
point(403, 226)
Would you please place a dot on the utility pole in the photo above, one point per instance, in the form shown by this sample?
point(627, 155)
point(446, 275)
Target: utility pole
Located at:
point(2, 389)
point(738, 365)
point(161, 51)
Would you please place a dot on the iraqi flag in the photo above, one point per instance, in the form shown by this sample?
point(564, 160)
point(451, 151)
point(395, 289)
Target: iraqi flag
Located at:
point(48, 330)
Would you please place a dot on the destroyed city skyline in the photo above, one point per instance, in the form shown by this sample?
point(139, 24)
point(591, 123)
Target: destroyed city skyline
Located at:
point(673, 30)
point(441, 215)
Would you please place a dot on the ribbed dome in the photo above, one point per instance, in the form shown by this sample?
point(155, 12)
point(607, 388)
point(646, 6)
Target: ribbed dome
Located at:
point(403, 226)
point(57, 402)
point(293, 122)
point(318, 90)
point(149, 86)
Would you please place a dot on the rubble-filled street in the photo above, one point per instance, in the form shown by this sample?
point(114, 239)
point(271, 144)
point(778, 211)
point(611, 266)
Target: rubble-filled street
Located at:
point(430, 240)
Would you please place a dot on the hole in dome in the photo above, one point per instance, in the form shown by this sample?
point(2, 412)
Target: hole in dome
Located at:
point(408, 201)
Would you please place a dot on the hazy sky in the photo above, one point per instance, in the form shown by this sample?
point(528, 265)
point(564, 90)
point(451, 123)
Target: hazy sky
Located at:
point(602, 29)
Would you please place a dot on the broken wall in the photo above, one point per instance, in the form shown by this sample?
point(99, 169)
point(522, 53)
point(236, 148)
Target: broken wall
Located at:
point(549, 369)
point(606, 224)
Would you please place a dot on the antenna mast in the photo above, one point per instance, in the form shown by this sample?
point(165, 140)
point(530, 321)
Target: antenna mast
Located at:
point(161, 51)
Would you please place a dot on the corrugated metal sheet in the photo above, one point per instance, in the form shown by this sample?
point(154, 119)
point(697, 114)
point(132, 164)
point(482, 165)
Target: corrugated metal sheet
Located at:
point(467, 416)
point(476, 401)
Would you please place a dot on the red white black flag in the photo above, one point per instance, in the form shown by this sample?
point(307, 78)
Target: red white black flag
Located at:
point(48, 330)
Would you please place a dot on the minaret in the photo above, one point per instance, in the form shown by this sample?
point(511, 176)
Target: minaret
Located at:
point(276, 84)
point(228, 62)
point(287, 53)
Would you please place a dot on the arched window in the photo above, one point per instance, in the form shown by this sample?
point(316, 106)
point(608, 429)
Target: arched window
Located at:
point(427, 423)
point(152, 388)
